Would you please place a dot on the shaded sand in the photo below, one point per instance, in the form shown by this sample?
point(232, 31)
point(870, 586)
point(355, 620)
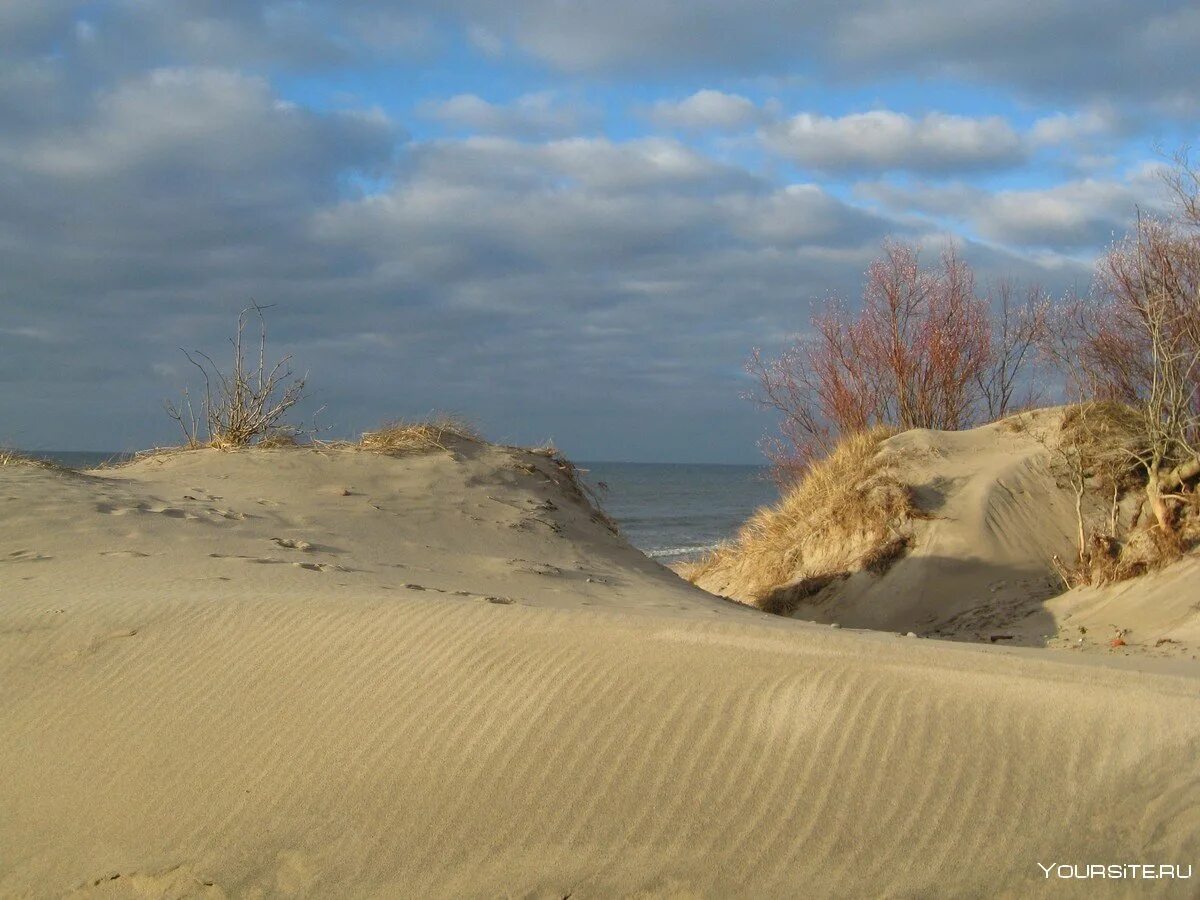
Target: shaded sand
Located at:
point(214, 682)
point(994, 506)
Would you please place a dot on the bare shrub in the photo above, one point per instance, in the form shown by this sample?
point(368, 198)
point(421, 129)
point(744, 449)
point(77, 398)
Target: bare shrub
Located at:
point(245, 405)
point(925, 351)
point(1135, 340)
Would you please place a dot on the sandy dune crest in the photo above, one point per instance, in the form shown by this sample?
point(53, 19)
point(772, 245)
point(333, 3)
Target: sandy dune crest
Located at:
point(992, 507)
point(344, 674)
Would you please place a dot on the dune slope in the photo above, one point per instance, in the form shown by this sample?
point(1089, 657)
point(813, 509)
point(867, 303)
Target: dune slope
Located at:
point(189, 713)
point(991, 507)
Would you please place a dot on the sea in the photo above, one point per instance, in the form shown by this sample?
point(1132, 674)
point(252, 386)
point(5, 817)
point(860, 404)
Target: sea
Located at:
point(677, 511)
point(672, 512)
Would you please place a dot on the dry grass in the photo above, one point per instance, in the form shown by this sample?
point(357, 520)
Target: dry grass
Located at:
point(1108, 560)
point(1101, 440)
point(421, 436)
point(843, 515)
point(10, 457)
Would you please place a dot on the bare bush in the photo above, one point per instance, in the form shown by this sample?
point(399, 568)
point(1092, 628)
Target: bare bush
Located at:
point(246, 405)
point(1136, 340)
point(925, 351)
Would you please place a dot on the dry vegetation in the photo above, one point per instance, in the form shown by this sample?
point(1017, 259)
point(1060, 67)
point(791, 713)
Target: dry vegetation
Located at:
point(926, 350)
point(10, 457)
point(846, 513)
point(246, 405)
point(433, 433)
point(1101, 451)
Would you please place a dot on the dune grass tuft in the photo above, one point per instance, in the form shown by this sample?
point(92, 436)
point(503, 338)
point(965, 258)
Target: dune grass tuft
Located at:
point(10, 457)
point(401, 436)
point(842, 515)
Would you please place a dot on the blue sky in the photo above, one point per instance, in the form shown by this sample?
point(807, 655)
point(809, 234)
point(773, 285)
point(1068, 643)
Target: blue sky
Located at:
point(567, 221)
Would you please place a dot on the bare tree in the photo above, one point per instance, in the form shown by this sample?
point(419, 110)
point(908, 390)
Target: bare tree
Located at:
point(1018, 329)
point(1136, 340)
point(244, 405)
point(919, 354)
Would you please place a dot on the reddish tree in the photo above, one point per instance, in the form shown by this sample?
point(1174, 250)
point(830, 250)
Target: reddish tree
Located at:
point(923, 352)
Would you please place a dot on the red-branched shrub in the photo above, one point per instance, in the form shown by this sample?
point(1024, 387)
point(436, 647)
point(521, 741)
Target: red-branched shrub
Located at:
point(924, 351)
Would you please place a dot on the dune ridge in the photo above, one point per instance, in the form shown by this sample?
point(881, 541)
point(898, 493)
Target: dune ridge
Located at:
point(482, 695)
point(991, 508)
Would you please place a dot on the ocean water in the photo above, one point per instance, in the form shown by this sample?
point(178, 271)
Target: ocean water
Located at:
point(676, 511)
point(669, 511)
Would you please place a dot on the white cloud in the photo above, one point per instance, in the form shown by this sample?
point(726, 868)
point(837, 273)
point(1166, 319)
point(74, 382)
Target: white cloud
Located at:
point(1083, 214)
point(883, 140)
point(706, 109)
point(541, 114)
point(1073, 128)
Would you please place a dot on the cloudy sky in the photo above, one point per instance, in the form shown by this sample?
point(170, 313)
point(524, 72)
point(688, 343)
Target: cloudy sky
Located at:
point(565, 220)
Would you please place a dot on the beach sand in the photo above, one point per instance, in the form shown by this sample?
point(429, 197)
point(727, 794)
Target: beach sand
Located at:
point(337, 673)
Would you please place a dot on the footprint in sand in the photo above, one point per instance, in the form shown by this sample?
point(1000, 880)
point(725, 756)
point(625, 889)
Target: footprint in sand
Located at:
point(289, 544)
point(125, 553)
point(320, 567)
point(25, 556)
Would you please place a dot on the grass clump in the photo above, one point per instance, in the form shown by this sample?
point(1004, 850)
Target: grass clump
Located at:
point(10, 457)
point(842, 515)
point(435, 433)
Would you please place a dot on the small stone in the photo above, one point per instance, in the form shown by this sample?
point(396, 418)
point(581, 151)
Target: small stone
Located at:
point(911, 634)
point(835, 625)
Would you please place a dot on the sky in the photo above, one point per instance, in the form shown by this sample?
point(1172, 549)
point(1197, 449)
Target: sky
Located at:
point(565, 221)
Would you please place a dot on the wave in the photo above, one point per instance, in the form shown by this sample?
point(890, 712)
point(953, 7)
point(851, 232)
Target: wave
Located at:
point(679, 551)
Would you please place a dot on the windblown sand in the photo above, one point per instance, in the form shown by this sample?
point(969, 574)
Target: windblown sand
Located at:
point(290, 672)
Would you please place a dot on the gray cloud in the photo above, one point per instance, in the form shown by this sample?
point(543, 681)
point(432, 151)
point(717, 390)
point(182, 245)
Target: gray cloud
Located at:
point(1073, 49)
point(1125, 52)
point(602, 292)
point(521, 283)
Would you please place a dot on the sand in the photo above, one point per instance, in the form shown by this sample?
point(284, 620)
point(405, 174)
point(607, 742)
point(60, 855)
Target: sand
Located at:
point(995, 505)
point(298, 673)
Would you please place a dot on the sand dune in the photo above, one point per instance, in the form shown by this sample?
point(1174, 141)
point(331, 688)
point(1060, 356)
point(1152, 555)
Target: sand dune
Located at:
point(343, 674)
point(993, 508)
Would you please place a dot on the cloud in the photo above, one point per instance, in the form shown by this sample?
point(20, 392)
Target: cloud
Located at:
point(165, 162)
point(704, 110)
point(28, 24)
point(1078, 49)
point(1074, 129)
point(587, 273)
point(536, 115)
point(1060, 49)
point(883, 140)
point(1079, 215)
